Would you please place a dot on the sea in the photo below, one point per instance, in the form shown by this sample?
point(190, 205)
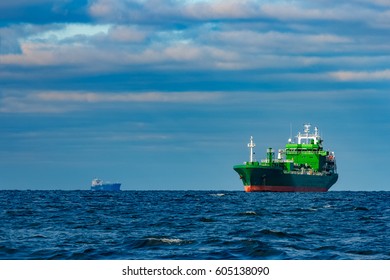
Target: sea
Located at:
point(193, 225)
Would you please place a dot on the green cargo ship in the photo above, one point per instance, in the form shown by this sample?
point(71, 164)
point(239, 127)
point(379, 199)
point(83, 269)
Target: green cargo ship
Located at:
point(303, 166)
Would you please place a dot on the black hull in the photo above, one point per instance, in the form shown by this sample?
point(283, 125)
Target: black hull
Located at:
point(258, 178)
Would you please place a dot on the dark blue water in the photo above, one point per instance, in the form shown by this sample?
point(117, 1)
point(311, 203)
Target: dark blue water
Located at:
point(194, 225)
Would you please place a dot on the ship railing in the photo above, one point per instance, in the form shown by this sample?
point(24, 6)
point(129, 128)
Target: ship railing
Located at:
point(277, 161)
point(306, 173)
point(295, 152)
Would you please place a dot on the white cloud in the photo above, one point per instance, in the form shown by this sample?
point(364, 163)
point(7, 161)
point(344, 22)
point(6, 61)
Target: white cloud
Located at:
point(156, 11)
point(117, 46)
point(361, 75)
point(93, 97)
point(69, 30)
point(126, 34)
point(101, 7)
point(280, 35)
point(64, 101)
point(230, 9)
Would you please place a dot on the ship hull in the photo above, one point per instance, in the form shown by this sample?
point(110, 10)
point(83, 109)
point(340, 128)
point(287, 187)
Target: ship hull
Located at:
point(284, 189)
point(268, 179)
point(106, 187)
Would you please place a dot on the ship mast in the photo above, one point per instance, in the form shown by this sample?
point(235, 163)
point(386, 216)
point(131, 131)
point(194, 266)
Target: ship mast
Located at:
point(307, 130)
point(251, 145)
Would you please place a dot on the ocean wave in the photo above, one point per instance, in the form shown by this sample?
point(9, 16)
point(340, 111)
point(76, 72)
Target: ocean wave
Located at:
point(248, 213)
point(193, 225)
point(218, 194)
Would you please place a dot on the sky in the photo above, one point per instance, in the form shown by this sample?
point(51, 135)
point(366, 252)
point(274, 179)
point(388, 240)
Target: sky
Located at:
point(164, 95)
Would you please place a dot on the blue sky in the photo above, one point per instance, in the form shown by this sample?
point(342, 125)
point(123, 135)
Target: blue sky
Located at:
point(165, 94)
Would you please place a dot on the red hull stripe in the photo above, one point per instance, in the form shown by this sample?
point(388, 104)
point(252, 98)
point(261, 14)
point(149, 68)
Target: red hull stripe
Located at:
point(284, 189)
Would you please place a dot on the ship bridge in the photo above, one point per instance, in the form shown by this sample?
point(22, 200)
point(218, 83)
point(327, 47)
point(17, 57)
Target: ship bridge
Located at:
point(308, 151)
point(307, 137)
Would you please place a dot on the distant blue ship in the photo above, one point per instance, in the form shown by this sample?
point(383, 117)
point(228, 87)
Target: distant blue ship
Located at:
point(99, 185)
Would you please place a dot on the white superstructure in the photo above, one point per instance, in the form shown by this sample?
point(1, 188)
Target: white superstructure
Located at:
point(309, 136)
point(97, 182)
